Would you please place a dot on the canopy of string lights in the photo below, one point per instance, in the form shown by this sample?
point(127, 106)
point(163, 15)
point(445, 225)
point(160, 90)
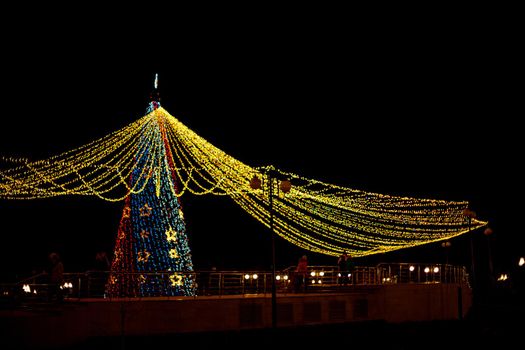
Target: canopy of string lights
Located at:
point(314, 215)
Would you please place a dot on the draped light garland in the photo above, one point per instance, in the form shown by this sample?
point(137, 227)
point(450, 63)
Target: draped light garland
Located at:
point(316, 216)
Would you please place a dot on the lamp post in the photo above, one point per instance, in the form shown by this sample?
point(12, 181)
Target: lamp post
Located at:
point(488, 232)
point(284, 186)
point(446, 246)
point(470, 214)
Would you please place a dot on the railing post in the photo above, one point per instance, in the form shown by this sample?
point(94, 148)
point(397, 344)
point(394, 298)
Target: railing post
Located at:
point(221, 283)
point(88, 284)
point(79, 286)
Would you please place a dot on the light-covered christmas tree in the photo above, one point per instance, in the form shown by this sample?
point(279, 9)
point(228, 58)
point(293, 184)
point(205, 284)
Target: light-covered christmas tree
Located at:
point(152, 255)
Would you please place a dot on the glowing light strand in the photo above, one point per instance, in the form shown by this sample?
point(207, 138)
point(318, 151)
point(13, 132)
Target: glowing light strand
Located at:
point(314, 215)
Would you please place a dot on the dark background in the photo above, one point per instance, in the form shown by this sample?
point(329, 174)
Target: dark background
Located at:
point(426, 108)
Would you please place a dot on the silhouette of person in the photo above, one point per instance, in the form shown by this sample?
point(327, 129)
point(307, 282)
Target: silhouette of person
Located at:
point(204, 277)
point(301, 271)
point(350, 269)
point(56, 277)
point(101, 261)
point(98, 277)
point(342, 264)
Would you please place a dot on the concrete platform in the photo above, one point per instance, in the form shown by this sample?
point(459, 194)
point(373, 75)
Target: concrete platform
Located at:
point(76, 320)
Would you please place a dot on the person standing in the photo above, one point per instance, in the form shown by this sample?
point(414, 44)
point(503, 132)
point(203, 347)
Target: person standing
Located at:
point(99, 276)
point(342, 264)
point(56, 277)
point(204, 280)
point(350, 269)
point(102, 262)
point(301, 273)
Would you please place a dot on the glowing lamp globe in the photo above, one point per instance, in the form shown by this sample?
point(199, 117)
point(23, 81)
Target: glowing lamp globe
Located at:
point(285, 186)
point(469, 213)
point(446, 244)
point(255, 183)
point(488, 231)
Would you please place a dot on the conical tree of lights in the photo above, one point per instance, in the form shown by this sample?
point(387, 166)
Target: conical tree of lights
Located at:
point(152, 256)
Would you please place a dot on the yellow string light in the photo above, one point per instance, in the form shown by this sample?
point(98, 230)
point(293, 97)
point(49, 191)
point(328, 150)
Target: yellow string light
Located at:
point(317, 216)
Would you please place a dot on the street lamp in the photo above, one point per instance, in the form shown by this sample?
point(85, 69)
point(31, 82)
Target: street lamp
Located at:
point(446, 246)
point(285, 186)
point(488, 232)
point(470, 214)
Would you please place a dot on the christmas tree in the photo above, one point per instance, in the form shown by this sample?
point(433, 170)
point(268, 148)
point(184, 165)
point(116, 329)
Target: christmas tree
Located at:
point(152, 256)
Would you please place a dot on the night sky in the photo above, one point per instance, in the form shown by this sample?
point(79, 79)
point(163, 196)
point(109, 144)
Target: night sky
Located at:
point(404, 110)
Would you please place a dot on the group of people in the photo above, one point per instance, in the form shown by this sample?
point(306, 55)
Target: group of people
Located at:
point(54, 273)
point(299, 277)
point(345, 266)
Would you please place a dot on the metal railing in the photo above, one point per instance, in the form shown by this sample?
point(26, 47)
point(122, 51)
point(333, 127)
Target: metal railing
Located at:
point(94, 284)
point(421, 273)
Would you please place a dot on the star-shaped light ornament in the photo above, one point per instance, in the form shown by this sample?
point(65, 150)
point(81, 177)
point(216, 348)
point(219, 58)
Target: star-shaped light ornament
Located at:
point(173, 253)
point(145, 210)
point(176, 279)
point(144, 234)
point(143, 256)
point(171, 235)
